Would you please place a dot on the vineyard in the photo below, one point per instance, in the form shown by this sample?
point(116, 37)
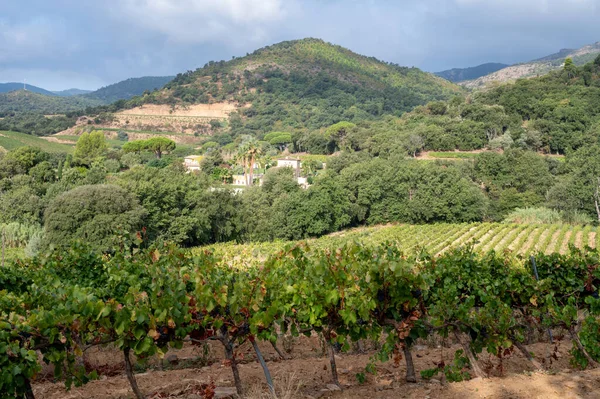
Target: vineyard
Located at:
point(142, 302)
point(518, 239)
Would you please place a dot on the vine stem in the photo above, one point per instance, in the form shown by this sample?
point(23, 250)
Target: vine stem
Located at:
point(527, 354)
point(28, 390)
point(279, 352)
point(467, 349)
point(575, 337)
point(229, 355)
point(410, 366)
point(130, 376)
point(334, 373)
point(263, 364)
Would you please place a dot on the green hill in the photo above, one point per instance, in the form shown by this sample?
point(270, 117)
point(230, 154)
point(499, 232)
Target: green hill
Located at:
point(128, 88)
point(22, 101)
point(13, 86)
point(302, 84)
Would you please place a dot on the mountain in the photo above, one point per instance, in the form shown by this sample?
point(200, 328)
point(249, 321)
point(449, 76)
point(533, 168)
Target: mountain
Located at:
point(462, 74)
point(71, 92)
point(129, 88)
point(21, 101)
point(537, 67)
point(300, 84)
point(13, 86)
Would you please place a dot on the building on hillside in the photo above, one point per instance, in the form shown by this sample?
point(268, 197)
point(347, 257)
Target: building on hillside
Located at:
point(240, 180)
point(289, 163)
point(192, 162)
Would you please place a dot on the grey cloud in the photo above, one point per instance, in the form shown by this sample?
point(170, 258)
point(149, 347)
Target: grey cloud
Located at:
point(94, 43)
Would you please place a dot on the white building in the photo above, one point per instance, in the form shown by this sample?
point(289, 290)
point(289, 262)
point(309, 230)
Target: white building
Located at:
point(192, 162)
point(289, 163)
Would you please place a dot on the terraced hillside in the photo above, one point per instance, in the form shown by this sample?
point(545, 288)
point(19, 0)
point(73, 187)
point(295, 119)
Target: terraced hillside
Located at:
point(522, 239)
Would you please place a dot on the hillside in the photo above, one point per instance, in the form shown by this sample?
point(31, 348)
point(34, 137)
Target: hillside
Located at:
point(12, 140)
point(538, 67)
point(126, 89)
point(71, 92)
point(14, 86)
point(300, 84)
point(27, 101)
point(461, 74)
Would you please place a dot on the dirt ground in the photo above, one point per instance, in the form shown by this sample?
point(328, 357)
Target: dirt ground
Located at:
point(307, 375)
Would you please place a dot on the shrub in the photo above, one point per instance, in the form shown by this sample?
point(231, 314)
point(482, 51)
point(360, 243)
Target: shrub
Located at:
point(534, 215)
point(95, 214)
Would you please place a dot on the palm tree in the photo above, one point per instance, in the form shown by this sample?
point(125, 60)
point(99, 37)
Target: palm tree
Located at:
point(250, 152)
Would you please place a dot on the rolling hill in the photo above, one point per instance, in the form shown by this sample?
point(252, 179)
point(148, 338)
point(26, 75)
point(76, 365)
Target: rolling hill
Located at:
point(461, 74)
point(71, 92)
point(537, 67)
point(13, 86)
point(126, 89)
point(301, 84)
point(25, 101)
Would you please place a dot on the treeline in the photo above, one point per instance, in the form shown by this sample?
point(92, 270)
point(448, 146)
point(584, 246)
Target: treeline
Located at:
point(131, 191)
point(23, 101)
point(36, 124)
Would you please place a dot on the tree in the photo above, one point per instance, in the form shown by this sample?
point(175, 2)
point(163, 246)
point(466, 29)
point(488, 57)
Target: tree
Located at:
point(133, 147)
point(338, 132)
point(414, 144)
point(90, 147)
point(570, 68)
point(279, 139)
point(248, 153)
point(96, 214)
point(159, 145)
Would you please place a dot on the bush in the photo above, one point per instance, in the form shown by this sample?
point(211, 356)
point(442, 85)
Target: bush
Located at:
point(95, 214)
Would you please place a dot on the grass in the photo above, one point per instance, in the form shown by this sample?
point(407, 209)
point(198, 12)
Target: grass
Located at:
point(12, 140)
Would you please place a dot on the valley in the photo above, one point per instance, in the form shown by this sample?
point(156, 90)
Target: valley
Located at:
point(304, 222)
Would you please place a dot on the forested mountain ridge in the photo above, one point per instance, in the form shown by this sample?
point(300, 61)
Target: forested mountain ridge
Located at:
point(14, 86)
point(26, 101)
point(537, 67)
point(302, 84)
point(461, 74)
point(128, 88)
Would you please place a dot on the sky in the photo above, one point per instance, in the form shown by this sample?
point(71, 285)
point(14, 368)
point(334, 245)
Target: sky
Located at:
point(61, 44)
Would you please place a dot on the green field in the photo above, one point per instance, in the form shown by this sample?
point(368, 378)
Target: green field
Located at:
point(518, 239)
point(12, 140)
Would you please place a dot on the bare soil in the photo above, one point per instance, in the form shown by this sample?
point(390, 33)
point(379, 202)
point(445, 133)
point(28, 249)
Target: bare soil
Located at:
point(216, 110)
point(307, 375)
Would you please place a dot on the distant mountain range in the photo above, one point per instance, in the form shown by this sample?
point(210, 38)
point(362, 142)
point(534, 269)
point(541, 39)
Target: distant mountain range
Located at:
point(14, 98)
point(13, 86)
point(537, 67)
point(461, 74)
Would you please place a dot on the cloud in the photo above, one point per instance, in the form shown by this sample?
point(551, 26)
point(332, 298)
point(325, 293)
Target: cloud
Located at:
point(33, 38)
point(201, 21)
point(96, 42)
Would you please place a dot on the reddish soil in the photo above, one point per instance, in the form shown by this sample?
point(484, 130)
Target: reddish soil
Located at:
point(307, 375)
